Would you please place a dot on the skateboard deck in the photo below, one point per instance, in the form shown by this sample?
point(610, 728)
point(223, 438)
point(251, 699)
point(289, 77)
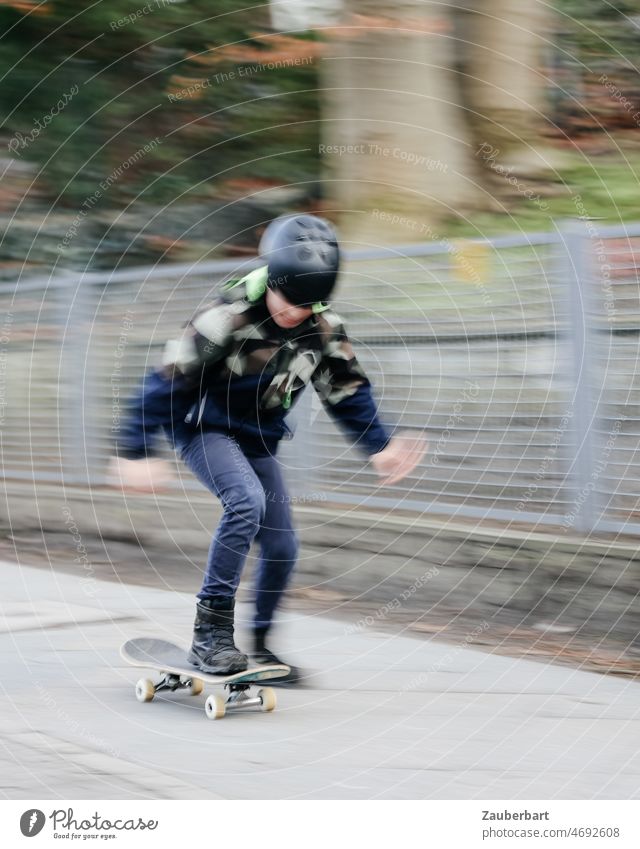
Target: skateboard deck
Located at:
point(177, 673)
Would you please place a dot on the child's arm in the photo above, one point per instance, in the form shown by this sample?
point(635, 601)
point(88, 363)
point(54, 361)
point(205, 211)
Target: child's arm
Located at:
point(165, 396)
point(345, 390)
point(346, 394)
point(167, 393)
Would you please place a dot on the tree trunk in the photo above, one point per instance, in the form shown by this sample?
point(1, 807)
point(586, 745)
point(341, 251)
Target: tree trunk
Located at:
point(505, 47)
point(396, 154)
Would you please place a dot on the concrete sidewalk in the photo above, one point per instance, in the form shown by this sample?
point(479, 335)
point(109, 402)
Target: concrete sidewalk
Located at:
point(383, 716)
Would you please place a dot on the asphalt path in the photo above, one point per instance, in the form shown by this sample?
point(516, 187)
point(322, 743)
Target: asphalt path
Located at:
point(381, 715)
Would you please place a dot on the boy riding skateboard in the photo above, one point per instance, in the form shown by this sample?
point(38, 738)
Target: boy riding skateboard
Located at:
point(222, 394)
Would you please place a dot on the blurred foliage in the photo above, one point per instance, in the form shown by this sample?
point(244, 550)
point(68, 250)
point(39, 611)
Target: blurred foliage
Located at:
point(595, 39)
point(148, 70)
point(196, 76)
point(597, 27)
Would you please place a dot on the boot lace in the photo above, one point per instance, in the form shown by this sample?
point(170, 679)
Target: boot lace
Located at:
point(224, 640)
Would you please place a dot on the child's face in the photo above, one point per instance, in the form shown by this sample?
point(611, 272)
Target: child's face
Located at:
point(285, 314)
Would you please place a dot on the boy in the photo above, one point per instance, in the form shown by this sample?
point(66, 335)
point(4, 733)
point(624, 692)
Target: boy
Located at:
point(222, 394)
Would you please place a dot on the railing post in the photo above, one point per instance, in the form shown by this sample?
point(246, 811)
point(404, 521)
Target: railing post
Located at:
point(583, 512)
point(301, 449)
point(77, 377)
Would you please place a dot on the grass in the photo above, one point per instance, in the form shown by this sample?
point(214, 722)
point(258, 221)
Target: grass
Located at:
point(605, 186)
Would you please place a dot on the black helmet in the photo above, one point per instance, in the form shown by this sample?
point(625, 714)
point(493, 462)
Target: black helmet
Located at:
point(302, 256)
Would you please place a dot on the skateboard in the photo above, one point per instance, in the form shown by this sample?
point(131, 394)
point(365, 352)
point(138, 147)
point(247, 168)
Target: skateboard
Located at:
point(178, 674)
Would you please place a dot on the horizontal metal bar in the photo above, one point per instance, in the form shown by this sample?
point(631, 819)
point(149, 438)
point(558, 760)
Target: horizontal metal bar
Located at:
point(447, 507)
point(474, 496)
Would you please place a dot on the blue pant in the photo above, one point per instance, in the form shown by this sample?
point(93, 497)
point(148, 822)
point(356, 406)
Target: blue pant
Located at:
point(256, 506)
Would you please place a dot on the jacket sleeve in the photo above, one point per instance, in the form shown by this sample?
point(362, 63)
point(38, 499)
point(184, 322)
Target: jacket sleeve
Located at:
point(168, 393)
point(165, 396)
point(345, 390)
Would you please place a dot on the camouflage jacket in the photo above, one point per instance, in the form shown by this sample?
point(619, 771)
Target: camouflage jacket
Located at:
point(233, 369)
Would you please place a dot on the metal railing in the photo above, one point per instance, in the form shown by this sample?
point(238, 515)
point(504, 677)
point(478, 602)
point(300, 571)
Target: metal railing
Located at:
point(517, 356)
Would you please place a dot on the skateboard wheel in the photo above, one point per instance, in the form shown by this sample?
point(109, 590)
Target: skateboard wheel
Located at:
point(197, 686)
point(267, 696)
point(215, 707)
point(145, 690)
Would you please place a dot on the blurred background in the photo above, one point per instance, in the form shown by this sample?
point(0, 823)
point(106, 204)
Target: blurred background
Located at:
point(480, 161)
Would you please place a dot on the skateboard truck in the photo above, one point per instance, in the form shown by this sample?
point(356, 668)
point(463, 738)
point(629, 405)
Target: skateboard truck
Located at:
point(239, 699)
point(170, 681)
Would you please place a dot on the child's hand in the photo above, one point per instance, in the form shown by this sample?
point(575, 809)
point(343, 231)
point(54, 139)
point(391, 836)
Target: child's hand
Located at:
point(146, 475)
point(400, 457)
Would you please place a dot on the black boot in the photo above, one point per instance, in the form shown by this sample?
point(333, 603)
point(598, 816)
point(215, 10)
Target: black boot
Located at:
point(213, 649)
point(261, 655)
